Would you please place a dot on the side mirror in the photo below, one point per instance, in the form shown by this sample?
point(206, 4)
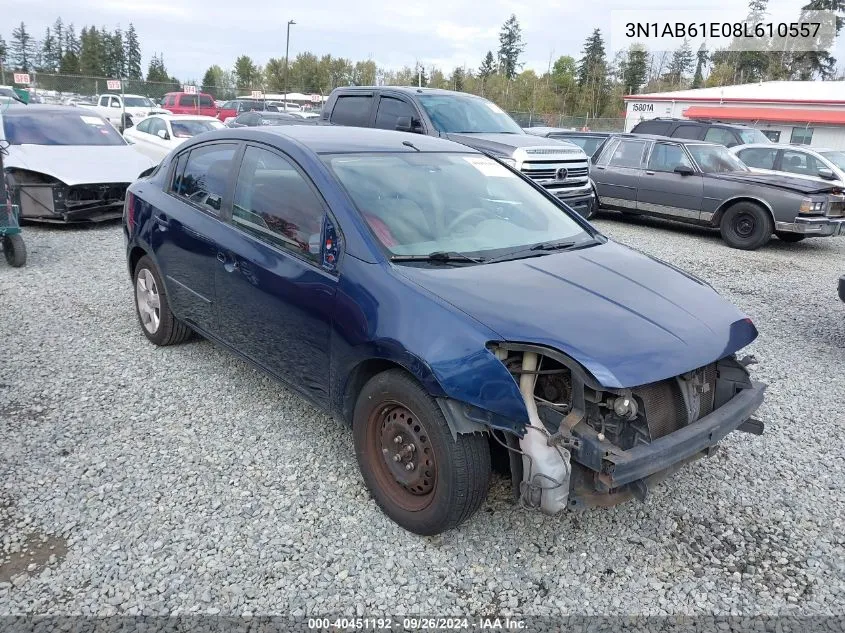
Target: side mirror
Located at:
point(827, 174)
point(403, 124)
point(684, 170)
point(162, 134)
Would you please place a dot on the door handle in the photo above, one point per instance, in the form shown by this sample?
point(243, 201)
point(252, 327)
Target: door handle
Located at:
point(649, 173)
point(162, 220)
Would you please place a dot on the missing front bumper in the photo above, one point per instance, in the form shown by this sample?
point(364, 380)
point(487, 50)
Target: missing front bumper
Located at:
point(56, 202)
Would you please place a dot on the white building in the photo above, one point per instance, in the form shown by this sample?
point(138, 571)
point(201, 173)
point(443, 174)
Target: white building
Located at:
point(809, 112)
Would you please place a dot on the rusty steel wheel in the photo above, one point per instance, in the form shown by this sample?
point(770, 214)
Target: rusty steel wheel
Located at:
point(423, 477)
point(407, 471)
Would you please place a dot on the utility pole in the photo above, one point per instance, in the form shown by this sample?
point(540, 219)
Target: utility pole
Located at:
point(287, 50)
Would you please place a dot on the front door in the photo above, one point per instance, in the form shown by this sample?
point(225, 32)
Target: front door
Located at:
point(183, 236)
point(274, 298)
point(665, 192)
point(617, 173)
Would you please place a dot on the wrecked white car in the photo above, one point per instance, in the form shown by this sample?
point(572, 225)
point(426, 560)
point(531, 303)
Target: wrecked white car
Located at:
point(67, 165)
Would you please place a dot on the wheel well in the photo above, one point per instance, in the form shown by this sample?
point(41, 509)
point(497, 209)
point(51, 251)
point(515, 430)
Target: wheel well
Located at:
point(717, 217)
point(358, 378)
point(135, 256)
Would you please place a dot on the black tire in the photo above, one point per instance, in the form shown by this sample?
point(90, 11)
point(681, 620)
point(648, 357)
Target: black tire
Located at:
point(746, 226)
point(593, 208)
point(14, 250)
point(450, 477)
point(169, 331)
point(789, 238)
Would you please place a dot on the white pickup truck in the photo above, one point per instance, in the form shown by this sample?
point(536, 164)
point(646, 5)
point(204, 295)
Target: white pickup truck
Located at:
point(111, 107)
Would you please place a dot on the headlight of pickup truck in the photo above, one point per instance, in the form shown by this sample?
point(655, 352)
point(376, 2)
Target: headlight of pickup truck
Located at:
point(811, 207)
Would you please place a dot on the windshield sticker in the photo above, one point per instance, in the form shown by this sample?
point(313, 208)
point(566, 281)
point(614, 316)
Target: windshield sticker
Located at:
point(495, 108)
point(92, 120)
point(489, 167)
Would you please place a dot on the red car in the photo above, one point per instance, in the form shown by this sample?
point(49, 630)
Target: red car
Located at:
point(185, 103)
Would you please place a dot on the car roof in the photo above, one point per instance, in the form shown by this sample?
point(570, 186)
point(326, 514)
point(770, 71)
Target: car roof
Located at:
point(45, 108)
point(183, 117)
point(697, 122)
point(329, 139)
point(409, 90)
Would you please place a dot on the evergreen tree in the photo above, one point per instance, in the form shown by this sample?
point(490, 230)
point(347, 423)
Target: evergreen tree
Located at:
point(511, 46)
point(247, 73)
point(156, 72)
point(132, 54)
point(819, 63)
point(488, 66)
point(701, 62)
point(70, 56)
point(635, 69)
point(456, 81)
point(212, 80)
point(22, 49)
point(91, 54)
point(4, 52)
point(594, 61)
point(50, 57)
point(59, 34)
point(114, 53)
point(681, 64)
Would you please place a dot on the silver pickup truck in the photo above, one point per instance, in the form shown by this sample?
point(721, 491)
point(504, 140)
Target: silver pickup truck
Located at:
point(705, 184)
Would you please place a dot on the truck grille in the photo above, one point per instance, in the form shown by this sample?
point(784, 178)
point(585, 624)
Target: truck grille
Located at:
point(557, 173)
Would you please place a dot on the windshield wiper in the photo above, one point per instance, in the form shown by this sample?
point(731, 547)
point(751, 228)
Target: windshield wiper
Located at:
point(544, 248)
point(438, 256)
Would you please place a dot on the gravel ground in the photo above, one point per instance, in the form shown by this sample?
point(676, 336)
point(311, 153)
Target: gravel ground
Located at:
point(143, 480)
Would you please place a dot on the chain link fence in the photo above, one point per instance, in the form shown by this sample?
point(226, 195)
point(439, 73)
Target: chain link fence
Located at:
point(551, 119)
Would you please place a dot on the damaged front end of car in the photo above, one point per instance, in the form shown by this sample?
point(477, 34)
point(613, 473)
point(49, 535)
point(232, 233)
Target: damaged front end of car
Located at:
point(43, 198)
point(589, 445)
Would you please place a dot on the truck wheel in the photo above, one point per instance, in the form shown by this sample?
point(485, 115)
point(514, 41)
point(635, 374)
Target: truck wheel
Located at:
point(790, 238)
point(14, 250)
point(746, 226)
point(420, 476)
point(157, 321)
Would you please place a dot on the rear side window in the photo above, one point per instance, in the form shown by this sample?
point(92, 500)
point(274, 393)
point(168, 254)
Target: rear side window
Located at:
point(652, 127)
point(390, 110)
point(721, 135)
point(275, 204)
point(206, 102)
point(188, 100)
point(352, 110)
point(205, 175)
point(687, 131)
point(666, 157)
point(629, 153)
point(762, 158)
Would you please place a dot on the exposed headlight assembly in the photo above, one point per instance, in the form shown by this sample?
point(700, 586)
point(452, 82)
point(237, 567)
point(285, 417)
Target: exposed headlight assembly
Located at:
point(811, 207)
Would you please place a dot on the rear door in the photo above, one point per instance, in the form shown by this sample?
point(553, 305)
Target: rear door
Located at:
point(666, 193)
point(618, 171)
point(183, 234)
point(274, 294)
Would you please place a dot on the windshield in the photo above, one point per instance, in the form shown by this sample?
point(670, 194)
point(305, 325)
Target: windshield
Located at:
point(837, 158)
point(753, 136)
point(187, 129)
point(58, 128)
point(715, 159)
point(422, 203)
point(453, 114)
point(138, 102)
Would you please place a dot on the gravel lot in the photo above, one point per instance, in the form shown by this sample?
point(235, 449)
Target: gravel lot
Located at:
point(144, 480)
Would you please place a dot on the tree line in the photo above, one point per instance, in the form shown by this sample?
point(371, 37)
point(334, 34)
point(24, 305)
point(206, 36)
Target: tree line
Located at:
point(591, 85)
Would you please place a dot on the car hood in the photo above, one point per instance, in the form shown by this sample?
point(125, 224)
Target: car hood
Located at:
point(801, 185)
point(627, 318)
point(80, 164)
point(504, 143)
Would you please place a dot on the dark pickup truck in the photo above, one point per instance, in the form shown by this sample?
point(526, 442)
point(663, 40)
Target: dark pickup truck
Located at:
point(561, 167)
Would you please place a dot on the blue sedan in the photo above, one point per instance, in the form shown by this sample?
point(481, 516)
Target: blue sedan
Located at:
point(447, 308)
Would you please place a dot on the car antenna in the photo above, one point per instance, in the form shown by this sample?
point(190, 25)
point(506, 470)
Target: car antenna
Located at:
point(411, 145)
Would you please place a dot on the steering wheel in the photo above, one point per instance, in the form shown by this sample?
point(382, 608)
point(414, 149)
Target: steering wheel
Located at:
point(463, 216)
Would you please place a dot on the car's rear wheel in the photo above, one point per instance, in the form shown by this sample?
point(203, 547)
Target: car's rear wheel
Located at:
point(418, 474)
point(746, 226)
point(790, 238)
point(157, 321)
point(14, 250)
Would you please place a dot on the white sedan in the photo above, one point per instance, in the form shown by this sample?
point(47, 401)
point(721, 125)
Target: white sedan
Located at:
point(156, 135)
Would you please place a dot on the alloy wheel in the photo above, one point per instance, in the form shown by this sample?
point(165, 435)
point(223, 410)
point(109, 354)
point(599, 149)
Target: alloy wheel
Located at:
point(148, 300)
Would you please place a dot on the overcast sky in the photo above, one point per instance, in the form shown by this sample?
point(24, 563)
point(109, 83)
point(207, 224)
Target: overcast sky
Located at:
point(193, 34)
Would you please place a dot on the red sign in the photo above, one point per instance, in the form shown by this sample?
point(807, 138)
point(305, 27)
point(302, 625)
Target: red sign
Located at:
point(22, 78)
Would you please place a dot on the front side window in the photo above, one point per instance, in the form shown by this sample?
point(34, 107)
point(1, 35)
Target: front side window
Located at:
point(115, 102)
point(801, 136)
point(352, 110)
point(188, 101)
point(419, 203)
point(206, 101)
point(138, 102)
point(158, 125)
point(74, 126)
point(455, 114)
point(720, 135)
point(628, 153)
point(715, 159)
point(800, 163)
point(205, 177)
point(144, 126)
point(759, 157)
point(666, 157)
point(390, 110)
point(274, 203)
